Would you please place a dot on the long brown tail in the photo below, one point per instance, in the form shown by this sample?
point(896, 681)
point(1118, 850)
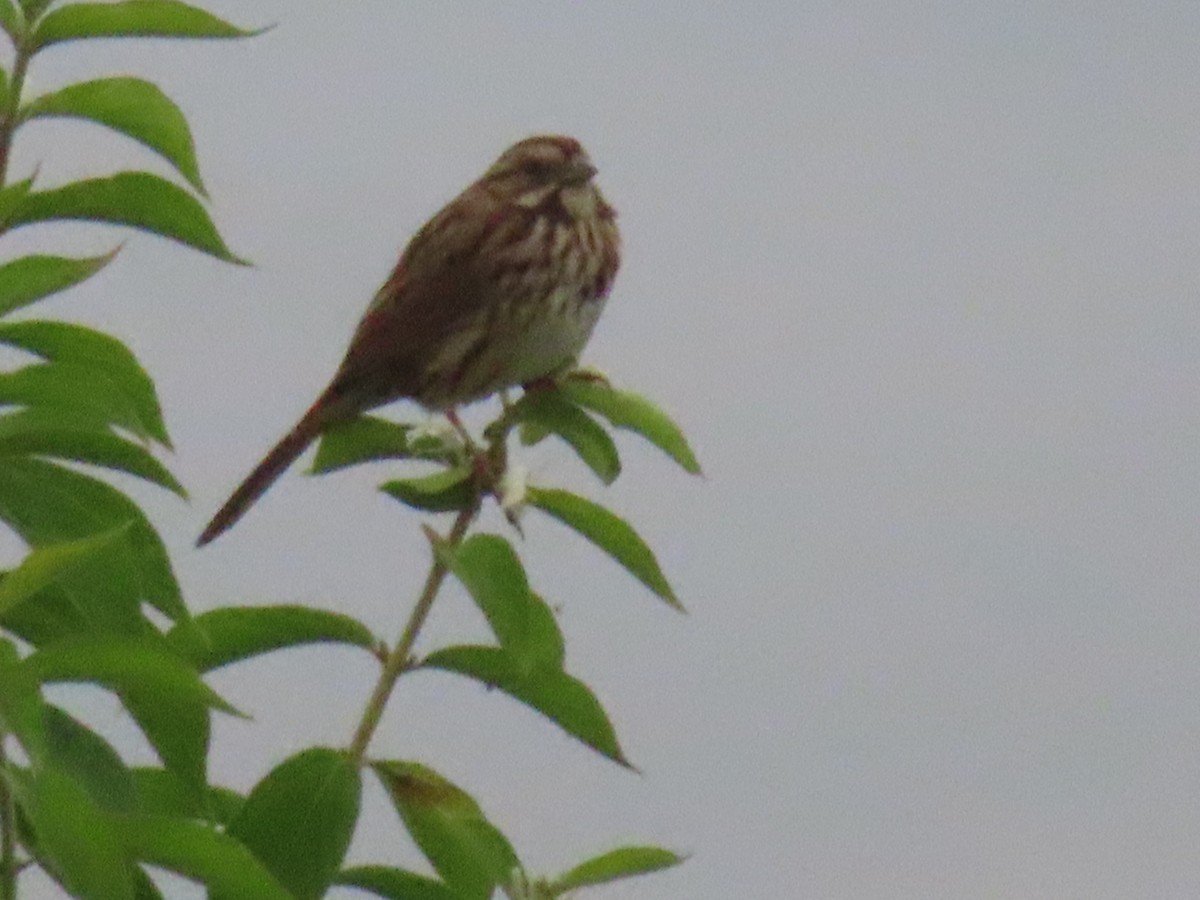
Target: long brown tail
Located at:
point(273, 465)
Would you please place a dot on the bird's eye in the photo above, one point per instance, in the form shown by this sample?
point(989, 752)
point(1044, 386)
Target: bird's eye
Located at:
point(534, 168)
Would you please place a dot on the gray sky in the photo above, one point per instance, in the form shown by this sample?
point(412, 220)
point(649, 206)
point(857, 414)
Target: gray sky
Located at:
point(921, 287)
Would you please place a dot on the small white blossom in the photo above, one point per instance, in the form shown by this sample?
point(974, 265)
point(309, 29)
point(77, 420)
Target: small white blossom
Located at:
point(513, 489)
point(437, 428)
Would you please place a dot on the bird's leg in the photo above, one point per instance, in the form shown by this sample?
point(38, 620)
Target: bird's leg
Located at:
point(456, 423)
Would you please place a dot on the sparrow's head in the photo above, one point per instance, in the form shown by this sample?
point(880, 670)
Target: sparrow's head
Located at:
point(546, 168)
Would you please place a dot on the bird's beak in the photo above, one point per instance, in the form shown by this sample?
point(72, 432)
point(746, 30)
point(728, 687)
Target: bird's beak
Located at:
point(579, 171)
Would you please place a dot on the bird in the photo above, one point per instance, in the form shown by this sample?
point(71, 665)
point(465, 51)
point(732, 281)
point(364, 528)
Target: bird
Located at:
point(501, 288)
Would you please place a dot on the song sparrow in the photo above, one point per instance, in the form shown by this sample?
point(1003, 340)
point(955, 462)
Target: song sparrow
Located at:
point(500, 288)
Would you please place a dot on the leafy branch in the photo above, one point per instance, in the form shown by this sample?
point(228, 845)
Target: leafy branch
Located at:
point(74, 609)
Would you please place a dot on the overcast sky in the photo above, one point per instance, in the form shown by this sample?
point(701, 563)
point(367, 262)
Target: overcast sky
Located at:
point(919, 281)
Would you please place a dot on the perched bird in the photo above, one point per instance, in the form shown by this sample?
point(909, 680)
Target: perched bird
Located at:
point(500, 288)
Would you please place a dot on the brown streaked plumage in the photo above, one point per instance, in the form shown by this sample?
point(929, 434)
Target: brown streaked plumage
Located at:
point(502, 287)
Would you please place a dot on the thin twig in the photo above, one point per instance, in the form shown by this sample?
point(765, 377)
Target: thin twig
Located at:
point(8, 830)
point(398, 659)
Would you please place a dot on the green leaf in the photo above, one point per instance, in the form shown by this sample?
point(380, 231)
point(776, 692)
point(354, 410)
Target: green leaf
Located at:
point(133, 107)
point(125, 665)
point(34, 8)
point(22, 709)
point(78, 390)
point(627, 410)
point(49, 616)
point(144, 888)
point(83, 353)
point(621, 863)
point(12, 24)
point(370, 438)
point(31, 278)
point(81, 753)
point(49, 431)
point(222, 636)
point(365, 439)
point(45, 504)
point(607, 531)
point(12, 196)
point(177, 727)
point(164, 695)
point(447, 491)
point(395, 884)
point(137, 199)
point(199, 852)
point(83, 587)
point(300, 818)
point(466, 850)
point(161, 792)
point(48, 564)
point(73, 833)
point(524, 625)
point(133, 18)
point(551, 411)
point(564, 700)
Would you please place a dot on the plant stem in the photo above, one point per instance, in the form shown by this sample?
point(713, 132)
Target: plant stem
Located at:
point(8, 116)
point(8, 831)
point(398, 660)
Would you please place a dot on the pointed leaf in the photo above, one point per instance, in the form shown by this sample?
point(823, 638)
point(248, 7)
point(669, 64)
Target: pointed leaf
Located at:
point(222, 636)
point(70, 830)
point(132, 18)
point(82, 351)
point(621, 863)
point(137, 199)
point(300, 818)
point(491, 572)
point(31, 278)
point(446, 491)
point(49, 431)
point(12, 196)
point(11, 22)
point(81, 753)
point(48, 564)
point(22, 709)
point(50, 615)
point(607, 531)
point(124, 664)
point(369, 438)
point(163, 694)
point(199, 852)
point(45, 503)
point(78, 390)
point(34, 8)
point(550, 410)
point(467, 851)
point(625, 409)
point(177, 727)
point(83, 587)
point(395, 884)
point(133, 107)
point(564, 700)
point(161, 792)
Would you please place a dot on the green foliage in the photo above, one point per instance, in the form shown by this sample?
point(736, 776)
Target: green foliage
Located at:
point(77, 607)
point(299, 819)
point(467, 851)
point(133, 107)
